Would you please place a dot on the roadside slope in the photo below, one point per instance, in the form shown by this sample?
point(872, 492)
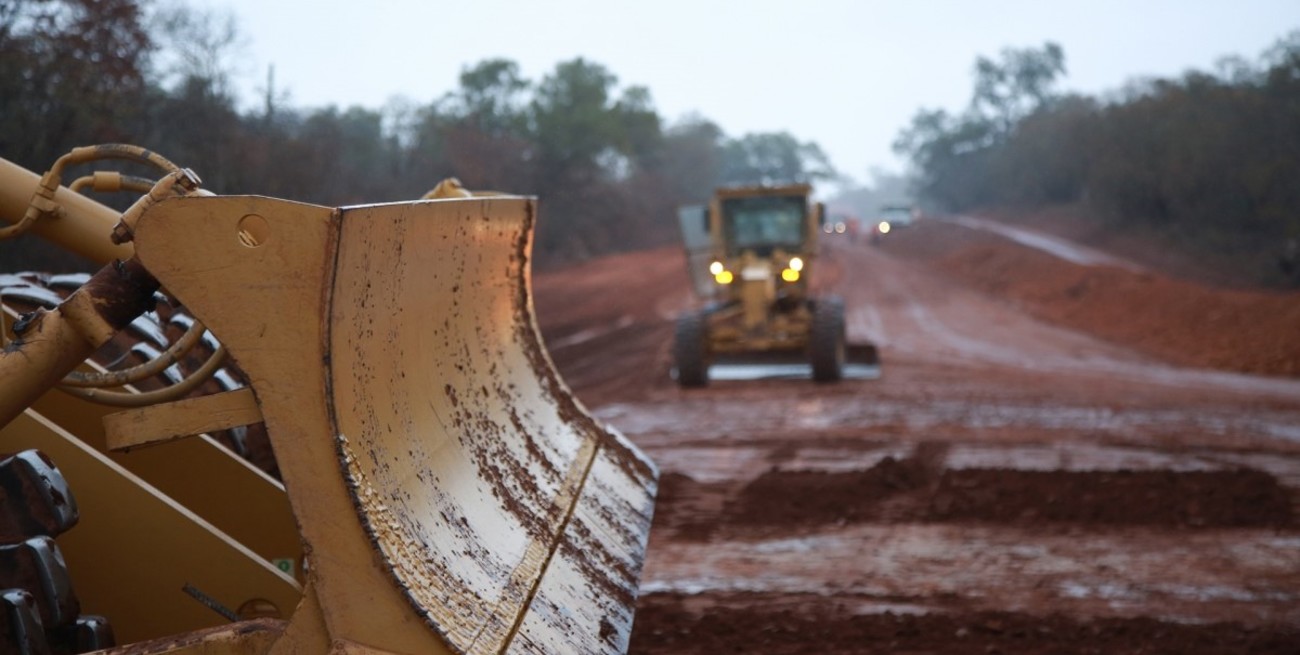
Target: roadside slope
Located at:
point(1180, 322)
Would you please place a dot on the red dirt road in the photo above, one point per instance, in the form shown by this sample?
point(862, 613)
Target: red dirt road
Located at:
point(1008, 485)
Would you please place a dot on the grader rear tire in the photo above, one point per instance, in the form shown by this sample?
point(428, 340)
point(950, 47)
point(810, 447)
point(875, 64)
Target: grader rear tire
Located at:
point(826, 348)
point(690, 351)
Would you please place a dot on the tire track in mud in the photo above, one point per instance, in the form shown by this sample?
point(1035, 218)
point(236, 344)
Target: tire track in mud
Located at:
point(931, 521)
point(778, 624)
point(944, 323)
point(1014, 483)
point(932, 320)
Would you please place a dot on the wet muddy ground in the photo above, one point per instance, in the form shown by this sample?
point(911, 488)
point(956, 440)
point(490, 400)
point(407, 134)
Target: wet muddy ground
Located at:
point(1010, 484)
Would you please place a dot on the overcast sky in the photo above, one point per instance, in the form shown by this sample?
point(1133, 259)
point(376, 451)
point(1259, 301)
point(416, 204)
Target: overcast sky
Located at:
point(845, 74)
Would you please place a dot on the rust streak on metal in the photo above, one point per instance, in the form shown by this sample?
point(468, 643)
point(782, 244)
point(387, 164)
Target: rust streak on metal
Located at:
point(530, 570)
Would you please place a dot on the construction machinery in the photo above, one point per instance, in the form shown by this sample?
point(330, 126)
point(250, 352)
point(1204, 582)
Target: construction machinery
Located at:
point(439, 488)
point(751, 253)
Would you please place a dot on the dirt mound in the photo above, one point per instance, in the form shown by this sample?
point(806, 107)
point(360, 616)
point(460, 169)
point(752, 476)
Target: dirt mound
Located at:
point(687, 509)
point(1177, 321)
point(1239, 498)
point(667, 623)
point(817, 497)
point(918, 490)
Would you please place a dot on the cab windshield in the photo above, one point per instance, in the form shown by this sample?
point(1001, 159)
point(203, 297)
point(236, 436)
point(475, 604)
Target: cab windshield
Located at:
point(764, 223)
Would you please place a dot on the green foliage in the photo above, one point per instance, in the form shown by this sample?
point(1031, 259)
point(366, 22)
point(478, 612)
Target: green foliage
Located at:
point(490, 97)
point(573, 120)
point(692, 157)
point(1008, 90)
point(952, 153)
point(773, 158)
point(70, 73)
point(1212, 160)
point(598, 154)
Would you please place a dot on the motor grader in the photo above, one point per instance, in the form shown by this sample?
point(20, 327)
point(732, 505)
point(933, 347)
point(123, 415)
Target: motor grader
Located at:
point(751, 252)
point(439, 488)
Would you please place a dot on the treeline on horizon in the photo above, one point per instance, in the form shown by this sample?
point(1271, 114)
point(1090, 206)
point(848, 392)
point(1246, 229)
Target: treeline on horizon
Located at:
point(1208, 163)
point(608, 168)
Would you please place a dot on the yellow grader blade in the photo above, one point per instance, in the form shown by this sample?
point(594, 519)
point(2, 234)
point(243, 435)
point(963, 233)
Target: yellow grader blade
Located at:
point(451, 494)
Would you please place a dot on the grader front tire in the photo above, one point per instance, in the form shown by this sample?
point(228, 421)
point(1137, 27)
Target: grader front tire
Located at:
point(826, 348)
point(690, 351)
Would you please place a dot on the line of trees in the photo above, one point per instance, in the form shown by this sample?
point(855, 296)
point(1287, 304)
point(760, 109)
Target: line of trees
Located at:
point(1209, 160)
point(607, 166)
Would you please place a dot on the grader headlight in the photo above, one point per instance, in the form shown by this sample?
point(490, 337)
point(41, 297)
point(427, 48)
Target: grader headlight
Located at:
point(790, 275)
point(720, 273)
point(796, 264)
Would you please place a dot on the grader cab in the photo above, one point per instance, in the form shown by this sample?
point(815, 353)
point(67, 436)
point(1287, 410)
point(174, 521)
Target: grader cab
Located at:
point(751, 253)
point(437, 487)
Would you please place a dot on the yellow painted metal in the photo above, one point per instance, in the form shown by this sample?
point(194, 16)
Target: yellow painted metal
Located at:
point(84, 226)
point(756, 298)
point(199, 473)
point(134, 549)
point(307, 634)
point(757, 327)
point(452, 188)
point(451, 492)
point(209, 480)
point(253, 637)
point(55, 341)
point(448, 188)
point(246, 504)
point(166, 422)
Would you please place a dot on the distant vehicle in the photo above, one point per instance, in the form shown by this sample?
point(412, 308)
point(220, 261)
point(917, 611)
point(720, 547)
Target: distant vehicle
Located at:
point(893, 217)
point(835, 227)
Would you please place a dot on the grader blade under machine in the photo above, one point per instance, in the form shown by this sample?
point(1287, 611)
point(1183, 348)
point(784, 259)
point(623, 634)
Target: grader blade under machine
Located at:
point(434, 486)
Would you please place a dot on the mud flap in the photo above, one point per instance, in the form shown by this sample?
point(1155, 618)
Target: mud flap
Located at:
point(452, 494)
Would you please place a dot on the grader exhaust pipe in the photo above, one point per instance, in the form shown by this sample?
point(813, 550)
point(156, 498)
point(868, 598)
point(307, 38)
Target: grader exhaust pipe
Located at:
point(450, 493)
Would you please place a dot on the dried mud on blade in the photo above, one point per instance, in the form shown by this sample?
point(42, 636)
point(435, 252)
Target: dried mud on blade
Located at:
point(452, 494)
point(861, 362)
